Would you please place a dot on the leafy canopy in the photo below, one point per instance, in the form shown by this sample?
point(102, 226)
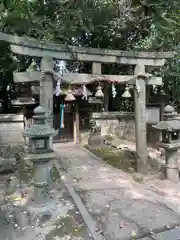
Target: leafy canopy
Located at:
point(116, 24)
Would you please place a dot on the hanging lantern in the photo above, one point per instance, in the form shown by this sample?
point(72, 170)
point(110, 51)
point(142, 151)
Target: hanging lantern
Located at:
point(69, 97)
point(126, 94)
point(114, 93)
point(99, 93)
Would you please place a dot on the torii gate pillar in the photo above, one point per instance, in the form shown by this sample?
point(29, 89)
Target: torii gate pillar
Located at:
point(46, 90)
point(140, 120)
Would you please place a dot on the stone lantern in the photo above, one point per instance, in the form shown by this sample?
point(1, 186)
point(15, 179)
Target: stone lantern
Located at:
point(40, 154)
point(170, 141)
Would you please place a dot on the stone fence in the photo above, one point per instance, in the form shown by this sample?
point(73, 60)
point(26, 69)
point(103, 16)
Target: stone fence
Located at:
point(122, 125)
point(11, 127)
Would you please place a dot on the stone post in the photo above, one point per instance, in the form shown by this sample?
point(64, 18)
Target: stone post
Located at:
point(172, 171)
point(46, 89)
point(97, 70)
point(140, 120)
point(76, 124)
point(41, 195)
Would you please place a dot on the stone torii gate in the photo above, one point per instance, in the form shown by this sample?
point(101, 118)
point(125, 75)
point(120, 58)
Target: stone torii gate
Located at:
point(48, 51)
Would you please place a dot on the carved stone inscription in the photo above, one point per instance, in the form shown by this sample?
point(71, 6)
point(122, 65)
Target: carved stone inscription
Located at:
point(142, 117)
point(141, 101)
point(40, 144)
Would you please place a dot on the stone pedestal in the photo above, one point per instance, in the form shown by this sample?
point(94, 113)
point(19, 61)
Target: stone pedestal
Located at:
point(172, 171)
point(96, 141)
point(22, 219)
point(41, 176)
point(40, 196)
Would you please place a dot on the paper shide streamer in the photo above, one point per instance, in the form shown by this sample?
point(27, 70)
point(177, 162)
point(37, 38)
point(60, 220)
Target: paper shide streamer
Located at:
point(58, 88)
point(114, 93)
point(84, 92)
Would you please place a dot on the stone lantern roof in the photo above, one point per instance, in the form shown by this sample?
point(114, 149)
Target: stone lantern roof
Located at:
point(170, 124)
point(39, 110)
point(40, 128)
point(169, 112)
point(169, 109)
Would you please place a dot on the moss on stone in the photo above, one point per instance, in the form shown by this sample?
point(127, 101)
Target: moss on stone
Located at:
point(124, 160)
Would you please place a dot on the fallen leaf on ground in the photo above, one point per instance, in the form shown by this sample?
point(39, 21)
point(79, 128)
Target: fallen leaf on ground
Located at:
point(122, 225)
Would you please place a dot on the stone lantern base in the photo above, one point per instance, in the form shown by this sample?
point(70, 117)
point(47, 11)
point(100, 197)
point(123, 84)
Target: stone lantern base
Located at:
point(172, 169)
point(42, 179)
point(171, 156)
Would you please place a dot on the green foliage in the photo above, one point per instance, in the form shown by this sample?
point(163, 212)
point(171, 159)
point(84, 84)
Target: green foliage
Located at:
point(127, 25)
